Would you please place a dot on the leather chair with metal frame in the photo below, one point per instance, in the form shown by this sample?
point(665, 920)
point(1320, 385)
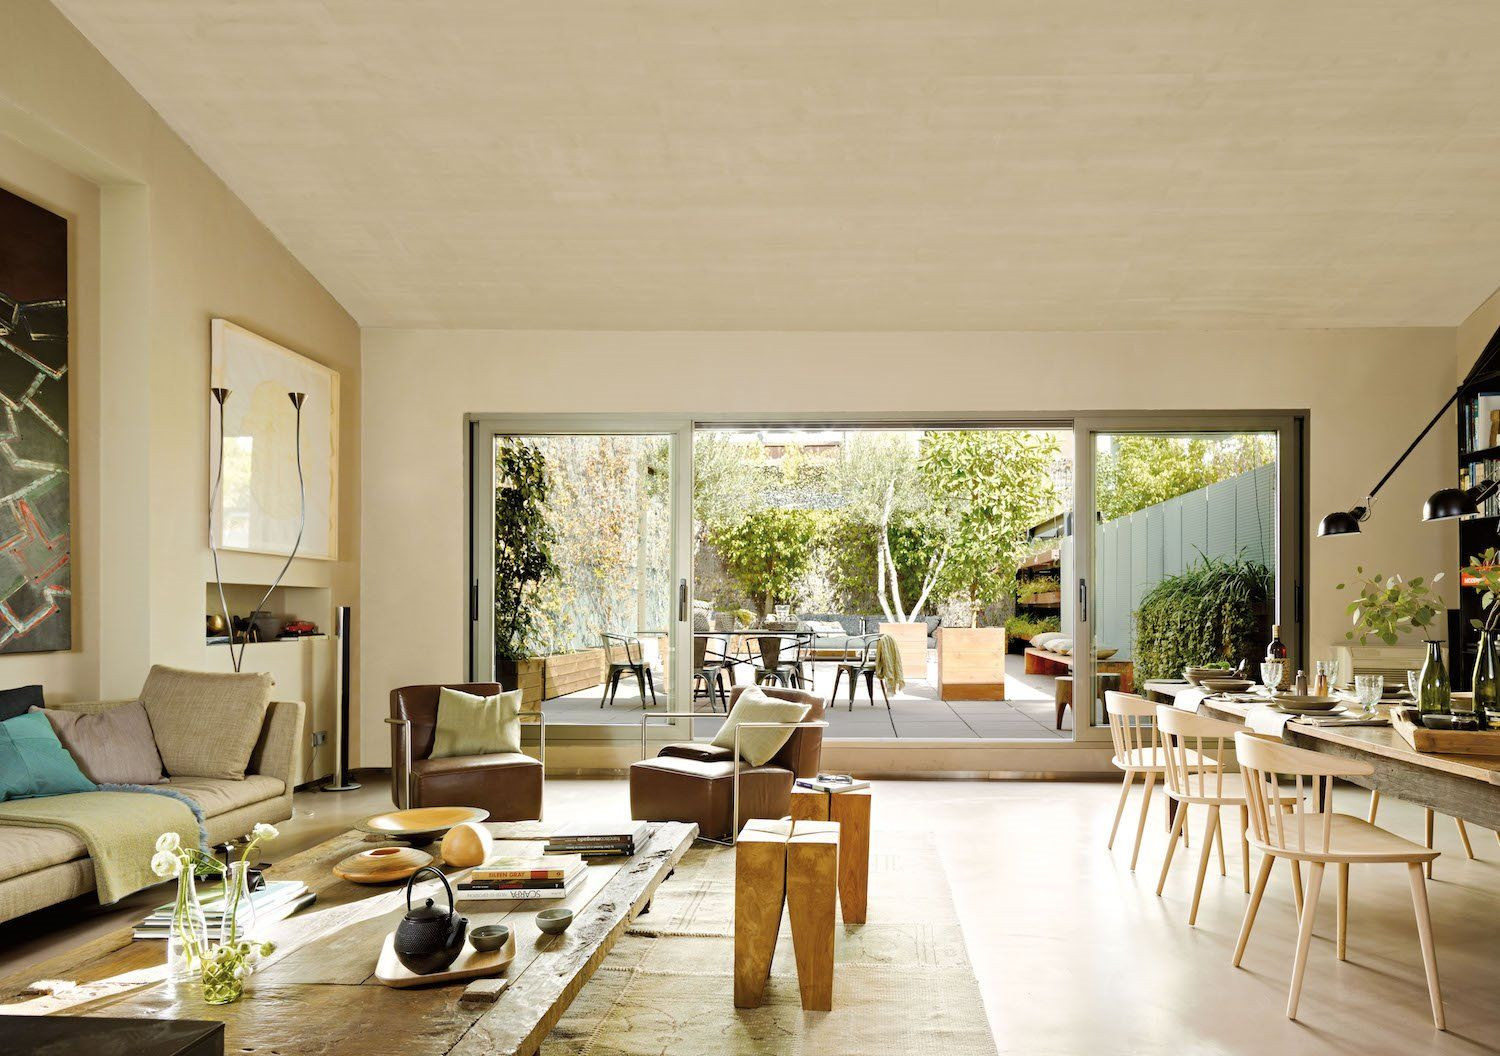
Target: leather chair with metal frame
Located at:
point(507, 784)
point(712, 787)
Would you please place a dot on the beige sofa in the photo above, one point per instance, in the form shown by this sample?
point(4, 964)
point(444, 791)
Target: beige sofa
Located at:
point(41, 867)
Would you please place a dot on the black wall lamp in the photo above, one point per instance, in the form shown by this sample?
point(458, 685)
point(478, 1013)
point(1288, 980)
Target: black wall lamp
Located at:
point(1442, 505)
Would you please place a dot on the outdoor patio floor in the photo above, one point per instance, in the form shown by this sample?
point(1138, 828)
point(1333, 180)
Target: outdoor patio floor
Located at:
point(915, 712)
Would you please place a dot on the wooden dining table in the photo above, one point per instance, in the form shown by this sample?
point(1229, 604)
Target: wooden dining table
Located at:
point(1463, 786)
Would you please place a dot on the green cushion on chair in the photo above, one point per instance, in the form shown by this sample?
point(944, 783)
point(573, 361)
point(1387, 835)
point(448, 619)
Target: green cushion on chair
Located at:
point(472, 725)
point(33, 761)
point(758, 746)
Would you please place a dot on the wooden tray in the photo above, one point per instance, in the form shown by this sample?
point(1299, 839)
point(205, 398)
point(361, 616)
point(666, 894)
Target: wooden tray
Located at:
point(471, 964)
point(1445, 742)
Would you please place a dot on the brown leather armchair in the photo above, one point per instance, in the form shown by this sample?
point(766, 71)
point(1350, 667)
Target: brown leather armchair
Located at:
point(506, 784)
point(695, 782)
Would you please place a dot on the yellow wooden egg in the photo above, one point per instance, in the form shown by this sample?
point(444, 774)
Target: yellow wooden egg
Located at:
point(467, 844)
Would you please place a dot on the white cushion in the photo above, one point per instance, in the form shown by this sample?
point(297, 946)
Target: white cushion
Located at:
point(1046, 638)
point(1062, 645)
point(758, 746)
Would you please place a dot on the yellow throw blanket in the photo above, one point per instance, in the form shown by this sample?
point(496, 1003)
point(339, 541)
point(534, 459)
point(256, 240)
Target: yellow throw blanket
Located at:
point(888, 664)
point(118, 828)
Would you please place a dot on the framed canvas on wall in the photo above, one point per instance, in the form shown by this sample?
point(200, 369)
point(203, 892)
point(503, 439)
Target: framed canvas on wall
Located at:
point(258, 505)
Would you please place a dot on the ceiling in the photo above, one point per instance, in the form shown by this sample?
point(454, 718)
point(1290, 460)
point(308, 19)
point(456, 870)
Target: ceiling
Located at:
point(852, 164)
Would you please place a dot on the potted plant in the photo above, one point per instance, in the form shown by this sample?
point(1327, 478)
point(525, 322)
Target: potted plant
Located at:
point(523, 554)
point(1387, 608)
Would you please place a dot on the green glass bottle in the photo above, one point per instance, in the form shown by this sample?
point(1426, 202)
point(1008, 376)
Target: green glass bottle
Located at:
point(1435, 692)
point(1486, 682)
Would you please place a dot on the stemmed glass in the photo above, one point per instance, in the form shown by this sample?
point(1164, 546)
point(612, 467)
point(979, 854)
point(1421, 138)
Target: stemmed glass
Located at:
point(1414, 684)
point(1369, 689)
point(1270, 674)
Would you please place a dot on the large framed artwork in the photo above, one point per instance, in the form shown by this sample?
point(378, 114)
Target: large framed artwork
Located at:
point(258, 505)
point(36, 611)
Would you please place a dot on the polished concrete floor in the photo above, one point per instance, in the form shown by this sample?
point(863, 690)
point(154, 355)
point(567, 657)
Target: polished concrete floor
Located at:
point(1075, 953)
point(1027, 713)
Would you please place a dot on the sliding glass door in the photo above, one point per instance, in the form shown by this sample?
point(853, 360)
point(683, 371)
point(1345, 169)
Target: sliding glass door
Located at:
point(578, 596)
point(1192, 552)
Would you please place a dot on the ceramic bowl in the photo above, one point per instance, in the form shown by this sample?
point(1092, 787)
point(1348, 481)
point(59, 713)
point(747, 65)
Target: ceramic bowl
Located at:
point(1308, 703)
point(1196, 675)
point(554, 921)
point(1226, 685)
point(420, 825)
point(489, 937)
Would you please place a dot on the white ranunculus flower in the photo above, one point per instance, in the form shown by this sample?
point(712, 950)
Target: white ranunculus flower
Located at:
point(168, 841)
point(263, 831)
point(166, 864)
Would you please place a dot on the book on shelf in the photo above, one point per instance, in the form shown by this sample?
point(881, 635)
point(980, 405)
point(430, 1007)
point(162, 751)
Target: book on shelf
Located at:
point(832, 783)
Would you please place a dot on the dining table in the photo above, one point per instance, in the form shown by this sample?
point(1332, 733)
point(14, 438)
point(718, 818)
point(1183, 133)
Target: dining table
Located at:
point(1463, 786)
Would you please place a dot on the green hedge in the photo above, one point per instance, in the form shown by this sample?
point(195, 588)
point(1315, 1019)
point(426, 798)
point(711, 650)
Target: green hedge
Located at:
point(1216, 610)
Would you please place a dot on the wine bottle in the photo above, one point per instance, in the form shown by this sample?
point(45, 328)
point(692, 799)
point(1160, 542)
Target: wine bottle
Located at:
point(1276, 651)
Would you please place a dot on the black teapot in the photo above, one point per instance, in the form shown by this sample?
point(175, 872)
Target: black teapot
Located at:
point(429, 939)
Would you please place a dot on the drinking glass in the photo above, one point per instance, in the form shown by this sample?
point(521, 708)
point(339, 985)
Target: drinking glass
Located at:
point(1413, 684)
point(1369, 689)
point(1270, 674)
point(1326, 669)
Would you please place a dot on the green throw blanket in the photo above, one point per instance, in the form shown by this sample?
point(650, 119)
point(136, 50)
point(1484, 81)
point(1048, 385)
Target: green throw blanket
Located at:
point(118, 828)
point(888, 664)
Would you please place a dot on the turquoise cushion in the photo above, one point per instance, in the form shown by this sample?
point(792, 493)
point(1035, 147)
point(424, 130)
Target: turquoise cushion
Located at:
point(33, 761)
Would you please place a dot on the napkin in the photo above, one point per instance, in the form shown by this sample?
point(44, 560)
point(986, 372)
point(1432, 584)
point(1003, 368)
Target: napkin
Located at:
point(1267, 721)
point(1189, 700)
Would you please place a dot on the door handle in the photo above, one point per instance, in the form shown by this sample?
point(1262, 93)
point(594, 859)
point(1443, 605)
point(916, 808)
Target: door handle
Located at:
point(1083, 601)
point(681, 600)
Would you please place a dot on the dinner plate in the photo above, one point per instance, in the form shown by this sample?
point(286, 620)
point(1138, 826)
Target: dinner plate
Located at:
point(1294, 709)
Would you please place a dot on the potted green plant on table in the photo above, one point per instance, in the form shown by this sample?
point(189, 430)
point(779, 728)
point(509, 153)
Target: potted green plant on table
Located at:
point(1389, 607)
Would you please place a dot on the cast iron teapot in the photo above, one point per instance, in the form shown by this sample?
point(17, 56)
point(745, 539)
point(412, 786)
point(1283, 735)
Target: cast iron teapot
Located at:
point(429, 939)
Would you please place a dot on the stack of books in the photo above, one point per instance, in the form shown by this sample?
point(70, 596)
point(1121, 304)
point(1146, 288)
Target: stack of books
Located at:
point(277, 899)
point(520, 879)
point(606, 840)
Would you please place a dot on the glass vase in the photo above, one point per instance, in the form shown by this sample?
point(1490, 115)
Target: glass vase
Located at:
point(1486, 681)
point(1435, 694)
point(189, 936)
point(239, 923)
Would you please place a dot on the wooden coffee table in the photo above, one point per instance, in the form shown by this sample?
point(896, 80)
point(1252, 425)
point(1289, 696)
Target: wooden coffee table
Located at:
point(317, 994)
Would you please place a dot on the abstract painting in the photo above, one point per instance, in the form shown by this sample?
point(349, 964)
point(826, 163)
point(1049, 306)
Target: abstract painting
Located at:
point(36, 611)
point(259, 502)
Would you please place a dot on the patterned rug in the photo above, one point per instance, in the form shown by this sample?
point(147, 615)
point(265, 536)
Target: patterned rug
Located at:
point(902, 982)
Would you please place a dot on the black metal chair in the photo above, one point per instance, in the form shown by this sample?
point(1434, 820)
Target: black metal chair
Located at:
point(782, 660)
point(859, 652)
point(632, 664)
point(709, 669)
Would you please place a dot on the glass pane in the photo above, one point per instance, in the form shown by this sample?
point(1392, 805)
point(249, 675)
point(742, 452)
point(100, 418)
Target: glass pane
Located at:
point(583, 573)
point(1185, 555)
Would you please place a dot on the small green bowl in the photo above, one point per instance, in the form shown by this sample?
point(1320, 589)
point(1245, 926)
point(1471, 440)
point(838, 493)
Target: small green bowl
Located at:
point(554, 921)
point(489, 937)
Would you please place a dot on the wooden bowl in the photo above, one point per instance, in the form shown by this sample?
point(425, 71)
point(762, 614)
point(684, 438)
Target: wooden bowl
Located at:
point(382, 865)
point(420, 825)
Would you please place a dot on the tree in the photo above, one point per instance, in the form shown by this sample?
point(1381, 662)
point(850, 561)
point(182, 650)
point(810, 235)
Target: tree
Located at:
point(880, 481)
point(523, 541)
point(1140, 471)
point(993, 485)
point(768, 552)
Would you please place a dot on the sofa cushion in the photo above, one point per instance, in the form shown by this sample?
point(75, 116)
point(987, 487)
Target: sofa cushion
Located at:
point(20, 700)
point(206, 724)
point(112, 747)
point(33, 761)
point(220, 795)
point(758, 746)
point(26, 849)
point(423, 768)
point(468, 724)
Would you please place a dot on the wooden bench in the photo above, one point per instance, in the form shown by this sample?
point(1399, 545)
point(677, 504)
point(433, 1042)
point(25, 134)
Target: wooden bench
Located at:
point(1046, 662)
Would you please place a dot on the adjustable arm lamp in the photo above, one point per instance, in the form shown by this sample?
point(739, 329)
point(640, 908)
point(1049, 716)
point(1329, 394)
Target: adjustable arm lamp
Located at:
point(1443, 504)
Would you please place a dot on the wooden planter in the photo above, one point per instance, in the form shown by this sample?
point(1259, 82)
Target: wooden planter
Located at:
point(911, 643)
point(525, 675)
point(971, 663)
point(570, 672)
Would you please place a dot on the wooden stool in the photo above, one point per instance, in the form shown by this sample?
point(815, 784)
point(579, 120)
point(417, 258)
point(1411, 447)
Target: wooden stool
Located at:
point(1062, 692)
point(795, 863)
point(852, 812)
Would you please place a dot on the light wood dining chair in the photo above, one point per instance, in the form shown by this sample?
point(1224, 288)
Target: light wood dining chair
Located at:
point(1196, 746)
point(1312, 832)
point(1463, 830)
point(1137, 750)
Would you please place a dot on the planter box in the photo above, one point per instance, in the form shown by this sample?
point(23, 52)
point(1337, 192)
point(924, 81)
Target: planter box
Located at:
point(911, 643)
point(525, 675)
point(571, 672)
point(971, 663)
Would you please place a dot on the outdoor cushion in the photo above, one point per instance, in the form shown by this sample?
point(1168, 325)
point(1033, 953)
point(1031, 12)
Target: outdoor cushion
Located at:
point(33, 761)
point(219, 795)
point(1046, 638)
point(113, 747)
point(20, 700)
point(472, 725)
point(824, 626)
point(758, 746)
point(205, 723)
point(28, 848)
point(1061, 645)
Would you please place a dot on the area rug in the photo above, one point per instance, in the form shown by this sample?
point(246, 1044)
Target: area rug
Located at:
point(902, 982)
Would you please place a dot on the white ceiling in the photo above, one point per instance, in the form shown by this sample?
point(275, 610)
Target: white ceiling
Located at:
point(852, 164)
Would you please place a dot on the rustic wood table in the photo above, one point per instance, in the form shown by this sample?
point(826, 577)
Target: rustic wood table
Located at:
point(317, 993)
point(1464, 786)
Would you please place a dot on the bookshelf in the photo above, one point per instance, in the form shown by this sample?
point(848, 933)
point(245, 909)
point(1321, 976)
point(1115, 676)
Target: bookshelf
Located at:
point(1478, 461)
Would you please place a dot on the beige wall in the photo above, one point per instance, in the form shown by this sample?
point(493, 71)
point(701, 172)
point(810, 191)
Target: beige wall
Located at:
point(161, 246)
point(1367, 391)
